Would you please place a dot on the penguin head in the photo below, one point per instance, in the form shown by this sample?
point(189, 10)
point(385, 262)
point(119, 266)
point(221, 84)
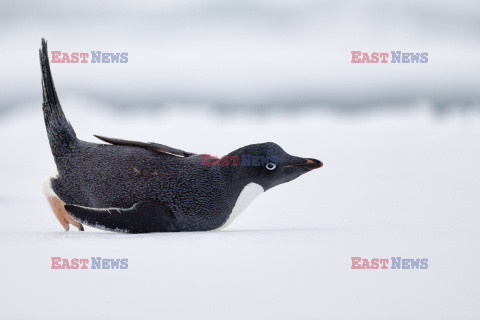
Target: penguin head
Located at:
point(268, 165)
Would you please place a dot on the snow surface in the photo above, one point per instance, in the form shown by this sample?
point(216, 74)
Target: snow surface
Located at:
point(393, 184)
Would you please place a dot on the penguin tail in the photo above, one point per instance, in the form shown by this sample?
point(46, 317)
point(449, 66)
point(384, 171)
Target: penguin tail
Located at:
point(60, 132)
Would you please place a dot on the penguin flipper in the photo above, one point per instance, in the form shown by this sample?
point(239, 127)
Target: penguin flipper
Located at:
point(142, 217)
point(147, 145)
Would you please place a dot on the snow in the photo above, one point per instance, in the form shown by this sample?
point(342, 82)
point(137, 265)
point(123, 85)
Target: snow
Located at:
point(393, 184)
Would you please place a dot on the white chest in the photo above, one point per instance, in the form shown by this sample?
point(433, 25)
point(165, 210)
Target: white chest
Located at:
point(248, 194)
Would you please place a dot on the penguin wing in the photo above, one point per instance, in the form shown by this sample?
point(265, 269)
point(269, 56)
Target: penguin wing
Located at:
point(147, 145)
point(142, 217)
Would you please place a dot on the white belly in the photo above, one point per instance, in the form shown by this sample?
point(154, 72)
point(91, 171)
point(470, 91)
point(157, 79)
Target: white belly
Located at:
point(248, 194)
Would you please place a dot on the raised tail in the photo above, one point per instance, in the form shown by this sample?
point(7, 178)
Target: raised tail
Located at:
point(60, 132)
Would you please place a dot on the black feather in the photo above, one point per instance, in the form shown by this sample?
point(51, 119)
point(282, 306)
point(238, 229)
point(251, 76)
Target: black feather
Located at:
point(60, 132)
point(147, 145)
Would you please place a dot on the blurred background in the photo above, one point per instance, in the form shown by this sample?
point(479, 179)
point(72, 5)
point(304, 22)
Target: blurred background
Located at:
point(247, 55)
point(399, 143)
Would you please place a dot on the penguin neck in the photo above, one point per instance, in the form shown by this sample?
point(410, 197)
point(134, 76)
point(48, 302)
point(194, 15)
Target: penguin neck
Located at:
point(236, 180)
point(242, 192)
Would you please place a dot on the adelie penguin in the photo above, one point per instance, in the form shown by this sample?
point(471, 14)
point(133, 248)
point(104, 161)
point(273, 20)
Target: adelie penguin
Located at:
point(138, 187)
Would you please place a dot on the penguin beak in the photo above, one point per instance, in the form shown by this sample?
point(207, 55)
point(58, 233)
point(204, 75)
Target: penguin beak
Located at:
point(308, 163)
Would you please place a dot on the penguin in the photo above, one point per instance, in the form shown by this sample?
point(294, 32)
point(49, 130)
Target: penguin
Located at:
point(138, 187)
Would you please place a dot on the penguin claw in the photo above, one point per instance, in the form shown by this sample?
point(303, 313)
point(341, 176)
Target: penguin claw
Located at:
point(62, 215)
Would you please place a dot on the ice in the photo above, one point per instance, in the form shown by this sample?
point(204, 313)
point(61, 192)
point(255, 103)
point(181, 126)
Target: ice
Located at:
point(393, 184)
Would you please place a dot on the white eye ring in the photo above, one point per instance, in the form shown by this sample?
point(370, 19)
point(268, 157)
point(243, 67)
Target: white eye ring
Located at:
point(271, 166)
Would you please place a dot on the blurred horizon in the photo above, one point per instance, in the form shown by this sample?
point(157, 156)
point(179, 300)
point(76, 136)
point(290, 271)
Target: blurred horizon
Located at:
point(261, 56)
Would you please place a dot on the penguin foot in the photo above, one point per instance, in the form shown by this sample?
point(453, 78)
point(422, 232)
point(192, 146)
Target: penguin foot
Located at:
point(62, 215)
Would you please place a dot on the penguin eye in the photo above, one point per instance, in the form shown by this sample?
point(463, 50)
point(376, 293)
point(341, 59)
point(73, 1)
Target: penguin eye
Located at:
point(271, 166)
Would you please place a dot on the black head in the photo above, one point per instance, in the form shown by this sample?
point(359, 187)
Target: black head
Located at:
point(268, 165)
